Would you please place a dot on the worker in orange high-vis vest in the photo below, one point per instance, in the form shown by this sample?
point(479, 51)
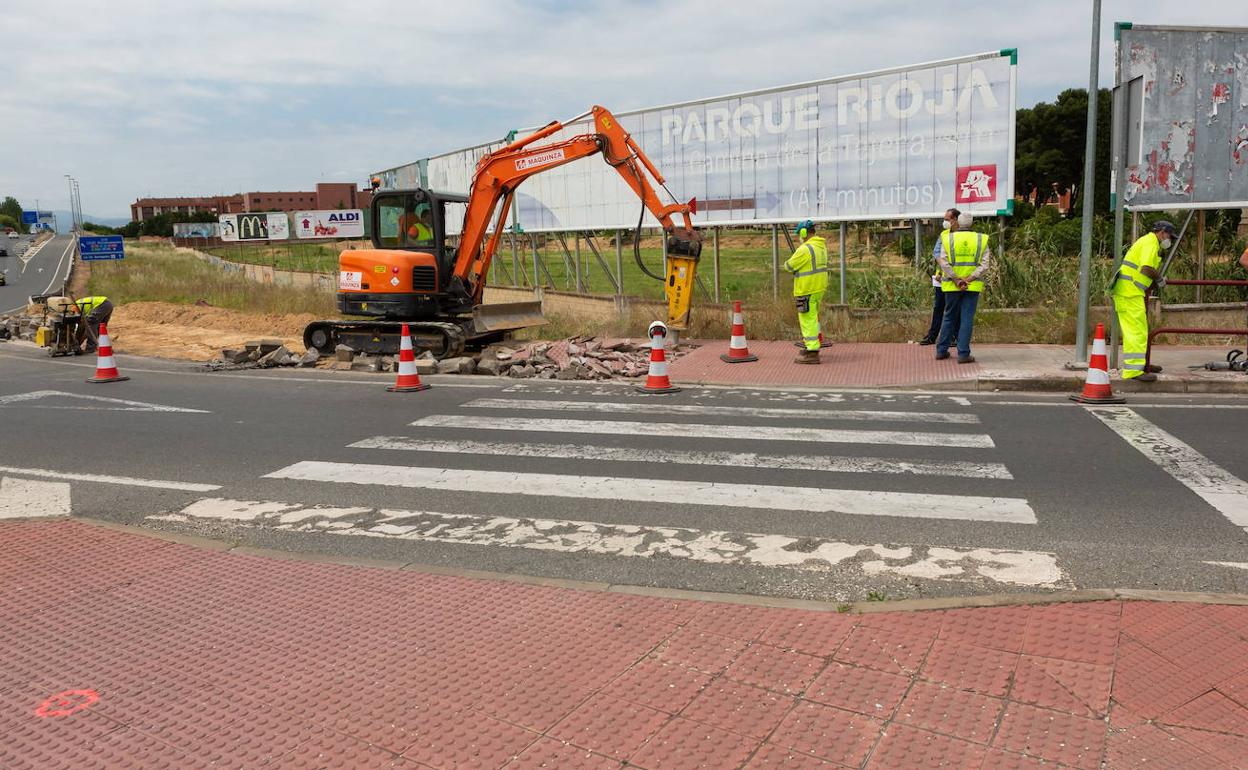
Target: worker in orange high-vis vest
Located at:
point(964, 260)
point(1140, 267)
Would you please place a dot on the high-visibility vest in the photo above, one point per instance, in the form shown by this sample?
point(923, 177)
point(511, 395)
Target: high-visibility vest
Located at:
point(1130, 280)
point(412, 229)
point(87, 304)
point(809, 266)
point(963, 251)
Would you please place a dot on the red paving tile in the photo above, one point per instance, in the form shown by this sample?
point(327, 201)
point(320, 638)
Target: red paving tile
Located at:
point(845, 364)
point(208, 659)
point(947, 710)
point(908, 748)
point(687, 745)
point(864, 690)
point(772, 668)
point(1051, 735)
point(828, 733)
point(739, 708)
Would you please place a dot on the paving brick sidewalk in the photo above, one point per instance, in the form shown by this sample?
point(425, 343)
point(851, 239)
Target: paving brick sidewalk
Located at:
point(123, 651)
point(898, 365)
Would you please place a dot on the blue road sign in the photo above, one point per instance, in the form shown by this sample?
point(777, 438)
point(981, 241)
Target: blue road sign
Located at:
point(97, 247)
point(30, 217)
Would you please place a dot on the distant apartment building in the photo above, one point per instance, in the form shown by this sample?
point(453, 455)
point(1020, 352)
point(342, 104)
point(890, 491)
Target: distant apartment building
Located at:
point(327, 196)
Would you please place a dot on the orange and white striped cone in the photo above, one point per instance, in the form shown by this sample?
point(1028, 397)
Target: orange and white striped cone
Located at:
point(738, 348)
point(408, 380)
point(105, 364)
point(657, 380)
point(1096, 389)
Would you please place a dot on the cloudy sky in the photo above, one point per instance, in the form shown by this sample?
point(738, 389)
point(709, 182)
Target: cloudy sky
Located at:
point(172, 98)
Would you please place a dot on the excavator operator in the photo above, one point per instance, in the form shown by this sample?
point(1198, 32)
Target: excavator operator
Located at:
point(416, 226)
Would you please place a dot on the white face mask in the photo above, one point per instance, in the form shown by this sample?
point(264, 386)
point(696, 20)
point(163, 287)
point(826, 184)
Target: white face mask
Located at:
point(1165, 244)
point(947, 224)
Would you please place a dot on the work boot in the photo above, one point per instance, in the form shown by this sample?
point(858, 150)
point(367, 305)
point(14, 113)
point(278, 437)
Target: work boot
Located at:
point(1154, 368)
point(928, 341)
point(942, 356)
point(1146, 377)
point(966, 359)
point(808, 357)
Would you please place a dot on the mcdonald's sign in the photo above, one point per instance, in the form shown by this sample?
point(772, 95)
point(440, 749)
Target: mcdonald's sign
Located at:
point(272, 226)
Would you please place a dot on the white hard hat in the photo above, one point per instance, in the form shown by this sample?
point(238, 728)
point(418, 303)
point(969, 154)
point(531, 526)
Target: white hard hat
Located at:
point(657, 327)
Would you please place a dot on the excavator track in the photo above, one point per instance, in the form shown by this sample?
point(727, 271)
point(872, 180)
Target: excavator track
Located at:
point(443, 339)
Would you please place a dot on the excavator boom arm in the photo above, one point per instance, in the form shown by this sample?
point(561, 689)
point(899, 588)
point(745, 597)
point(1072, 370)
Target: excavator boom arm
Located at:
point(499, 173)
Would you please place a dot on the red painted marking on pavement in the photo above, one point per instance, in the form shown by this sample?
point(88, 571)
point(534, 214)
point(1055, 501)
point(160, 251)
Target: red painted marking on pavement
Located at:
point(65, 703)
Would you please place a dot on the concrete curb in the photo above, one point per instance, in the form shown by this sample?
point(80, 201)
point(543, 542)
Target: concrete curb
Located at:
point(676, 594)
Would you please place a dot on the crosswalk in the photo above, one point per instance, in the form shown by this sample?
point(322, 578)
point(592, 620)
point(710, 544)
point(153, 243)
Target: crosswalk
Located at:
point(599, 457)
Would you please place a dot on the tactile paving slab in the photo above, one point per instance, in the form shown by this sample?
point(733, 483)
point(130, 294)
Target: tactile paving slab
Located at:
point(122, 651)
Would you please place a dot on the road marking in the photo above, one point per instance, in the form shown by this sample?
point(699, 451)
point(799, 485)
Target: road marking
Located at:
point(759, 496)
point(683, 430)
point(127, 481)
point(123, 405)
point(1227, 493)
point(1232, 564)
point(979, 470)
point(618, 407)
point(24, 498)
point(1023, 568)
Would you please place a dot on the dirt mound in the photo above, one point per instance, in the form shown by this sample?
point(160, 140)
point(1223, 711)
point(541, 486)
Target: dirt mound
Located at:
point(197, 333)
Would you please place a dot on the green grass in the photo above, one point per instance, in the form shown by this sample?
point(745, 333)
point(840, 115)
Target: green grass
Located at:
point(159, 273)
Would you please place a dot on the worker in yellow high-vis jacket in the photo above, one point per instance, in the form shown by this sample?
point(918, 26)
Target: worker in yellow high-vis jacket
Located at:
point(809, 266)
point(1141, 266)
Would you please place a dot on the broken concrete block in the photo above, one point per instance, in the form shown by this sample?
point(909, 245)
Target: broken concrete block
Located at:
point(522, 372)
point(460, 365)
point(344, 353)
point(265, 346)
point(425, 355)
point(492, 366)
point(276, 357)
point(426, 366)
point(232, 356)
point(310, 357)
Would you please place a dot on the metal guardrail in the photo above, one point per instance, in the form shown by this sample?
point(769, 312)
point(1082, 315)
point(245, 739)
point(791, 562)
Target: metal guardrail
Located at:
point(1148, 352)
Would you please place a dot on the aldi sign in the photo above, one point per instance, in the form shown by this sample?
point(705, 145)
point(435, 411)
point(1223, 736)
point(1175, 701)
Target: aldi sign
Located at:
point(344, 223)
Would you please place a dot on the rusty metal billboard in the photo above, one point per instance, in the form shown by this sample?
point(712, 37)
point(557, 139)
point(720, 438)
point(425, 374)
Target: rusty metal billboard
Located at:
point(907, 142)
point(1194, 121)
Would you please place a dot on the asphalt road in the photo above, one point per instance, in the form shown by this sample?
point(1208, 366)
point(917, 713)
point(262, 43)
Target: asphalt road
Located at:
point(803, 494)
point(36, 270)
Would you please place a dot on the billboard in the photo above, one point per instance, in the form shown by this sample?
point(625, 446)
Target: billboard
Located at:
point(196, 230)
point(907, 142)
point(1193, 126)
point(254, 227)
point(345, 223)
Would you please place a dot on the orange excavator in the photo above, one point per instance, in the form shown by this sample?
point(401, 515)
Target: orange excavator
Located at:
point(413, 274)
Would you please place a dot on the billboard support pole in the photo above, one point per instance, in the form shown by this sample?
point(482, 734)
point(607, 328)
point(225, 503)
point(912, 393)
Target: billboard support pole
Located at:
point(1200, 254)
point(580, 281)
point(1089, 180)
point(918, 242)
point(775, 262)
point(844, 228)
point(715, 261)
point(515, 259)
point(619, 263)
point(1001, 237)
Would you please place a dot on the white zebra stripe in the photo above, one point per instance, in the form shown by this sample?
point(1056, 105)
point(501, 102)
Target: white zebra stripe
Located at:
point(756, 496)
point(688, 430)
point(648, 407)
point(804, 462)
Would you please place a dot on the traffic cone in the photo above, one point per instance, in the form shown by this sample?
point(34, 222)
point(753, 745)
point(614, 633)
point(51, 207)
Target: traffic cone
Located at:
point(656, 379)
point(408, 380)
point(1096, 388)
point(105, 365)
point(738, 348)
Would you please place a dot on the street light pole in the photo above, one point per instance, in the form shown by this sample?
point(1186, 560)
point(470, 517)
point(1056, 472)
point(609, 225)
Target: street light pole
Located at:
point(73, 216)
point(1089, 181)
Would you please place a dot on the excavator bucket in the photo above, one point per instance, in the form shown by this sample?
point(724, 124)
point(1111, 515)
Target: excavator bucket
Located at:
point(507, 315)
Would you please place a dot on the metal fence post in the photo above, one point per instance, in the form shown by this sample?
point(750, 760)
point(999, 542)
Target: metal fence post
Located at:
point(515, 261)
point(536, 280)
point(844, 233)
point(775, 262)
point(580, 283)
point(715, 260)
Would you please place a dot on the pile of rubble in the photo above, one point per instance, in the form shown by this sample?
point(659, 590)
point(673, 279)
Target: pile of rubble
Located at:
point(19, 327)
point(578, 358)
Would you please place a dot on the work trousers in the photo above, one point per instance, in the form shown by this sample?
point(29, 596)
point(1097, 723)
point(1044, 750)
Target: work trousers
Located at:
point(959, 322)
point(98, 315)
point(809, 321)
point(1133, 320)
point(938, 315)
